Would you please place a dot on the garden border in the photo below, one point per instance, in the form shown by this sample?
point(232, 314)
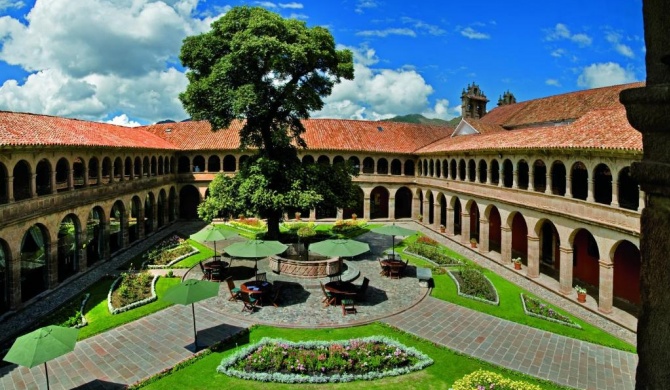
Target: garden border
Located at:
point(458, 288)
point(173, 262)
point(133, 305)
point(83, 321)
point(408, 252)
point(525, 309)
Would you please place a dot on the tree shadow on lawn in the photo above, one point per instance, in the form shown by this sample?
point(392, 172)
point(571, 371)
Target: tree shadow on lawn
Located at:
point(210, 336)
point(98, 384)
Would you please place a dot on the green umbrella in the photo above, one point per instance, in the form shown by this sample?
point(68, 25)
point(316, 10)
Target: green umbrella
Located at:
point(342, 248)
point(255, 248)
point(393, 230)
point(42, 345)
point(212, 234)
point(189, 292)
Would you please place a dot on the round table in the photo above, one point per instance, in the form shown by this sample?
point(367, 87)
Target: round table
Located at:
point(341, 289)
point(394, 267)
point(215, 269)
point(256, 287)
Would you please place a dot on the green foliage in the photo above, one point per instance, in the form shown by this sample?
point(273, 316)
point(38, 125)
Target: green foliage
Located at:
point(430, 250)
point(306, 232)
point(474, 283)
point(481, 379)
point(133, 287)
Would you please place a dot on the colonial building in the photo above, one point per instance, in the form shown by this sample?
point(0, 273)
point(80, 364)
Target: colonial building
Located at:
point(545, 180)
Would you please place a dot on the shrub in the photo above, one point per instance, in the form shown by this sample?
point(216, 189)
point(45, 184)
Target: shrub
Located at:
point(481, 379)
point(473, 282)
point(429, 248)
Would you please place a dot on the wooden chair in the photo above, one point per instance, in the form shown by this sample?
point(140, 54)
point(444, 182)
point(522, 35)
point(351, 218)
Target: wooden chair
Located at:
point(216, 274)
point(328, 298)
point(261, 277)
point(234, 291)
point(250, 303)
point(384, 268)
point(205, 272)
point(394, 272)
point(404, 267)
point(348, 306)
point(360, 294)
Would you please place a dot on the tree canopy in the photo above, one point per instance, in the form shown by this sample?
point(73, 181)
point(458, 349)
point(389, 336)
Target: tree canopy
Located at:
point(269, 72)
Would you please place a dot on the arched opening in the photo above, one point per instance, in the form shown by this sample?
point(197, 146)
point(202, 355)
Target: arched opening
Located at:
point(445, 169)
point(189, 199)
point(431, 168)
point(483, 170)
point(69, 234)
point(423, 165)
point(602, 184)
point(93, 171)
point(461, 170)
point(135, 219)
point(379, 203)
point(495, 234)
point(78, 172)
point(243, 160)
point(396, 167)
point(170, 167)
point(495, 173)
point(549, 254)
point(4, 277)
point(128, 168)
point(62, 175)
point(323, 159)
point(438, 168)
point(522, 174)
point(213, 163)
point(149, 214)
point(338, 160)
point(355, 163)
point(21, 186)
point(161, 166)
point(154, 167)
point(472, 170)
point(452, 170)
point(539, 176)
point(198, 164)
point(229, 164)
point(308, 159)
point(35, 249)
point(116, 226)
point(172, 204)
point(431, 207)
point(626, 279)
point(629, 190)
point(443, 209)
point(368, 165)
point(4, 182)
point(585, 259)
point(146, 166)
point(95, 245)
point(358, 207)
point(558, 176)
point(42, 178)
point(520, 238)
point(118, 169)
point(183, 165)
point(508, 174)
point(137, 168)
point(579, 178)
point(160, 209)
point(457, 216)
point(474, 221)
point(403, 203)
point(106, 173)
point(382, 166)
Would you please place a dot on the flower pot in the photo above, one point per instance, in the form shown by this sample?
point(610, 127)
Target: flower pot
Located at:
point(517, 265)
point(353, 217)
point(473, 244)
point(442, 230)
point(581, 297)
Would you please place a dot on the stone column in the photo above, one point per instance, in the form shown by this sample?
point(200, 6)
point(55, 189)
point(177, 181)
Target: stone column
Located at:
point(591, 191)
point(488, 175)
point(641, 201)
point(606, 288)
point(52, 264)
point(515, 178)
point(533, 257)
point(105, 241)
point(10, 188)
point(568, 186)
point(339, 214)
point(501, 177)
point(312, 215)
point(85, 177)
point(547, 190)
point(450, 221)
point(391, 208)
point(70, 179)
point(52, 190)
point(505, 244)
point(465, 228)
point(615, 192)
point(483, 235)
point(366, 207)
point(141, 213)
point(15, 280)
point(33, 185)
point(437, 208)
point(531, 179)
point(565, 258)
point(425, 210)
point(124, 227)
point(82, 254)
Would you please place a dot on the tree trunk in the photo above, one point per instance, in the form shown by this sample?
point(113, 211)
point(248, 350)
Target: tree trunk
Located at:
point(273, 226)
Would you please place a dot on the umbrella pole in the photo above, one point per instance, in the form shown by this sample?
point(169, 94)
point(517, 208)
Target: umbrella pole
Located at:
point(393, 246)
point(46, 372)
point(195, 334)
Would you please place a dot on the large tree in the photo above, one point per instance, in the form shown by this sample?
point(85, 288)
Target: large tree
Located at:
point(269, 72)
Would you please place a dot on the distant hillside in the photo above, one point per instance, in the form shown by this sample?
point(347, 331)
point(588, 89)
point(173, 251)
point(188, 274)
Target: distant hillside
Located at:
point(418, 118)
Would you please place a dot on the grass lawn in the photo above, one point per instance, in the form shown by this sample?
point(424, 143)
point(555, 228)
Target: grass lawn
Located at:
point(98, 316)
point(448, 367)
point(205, 254)
point(511, 308)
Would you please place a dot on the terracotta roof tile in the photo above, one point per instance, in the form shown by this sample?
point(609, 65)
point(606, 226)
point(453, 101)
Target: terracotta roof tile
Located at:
point(483, 127)
point(22, 129)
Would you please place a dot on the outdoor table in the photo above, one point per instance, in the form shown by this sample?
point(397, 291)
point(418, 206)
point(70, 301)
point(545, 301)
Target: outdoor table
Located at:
point(394, 266)
point(215, 269)
point(256, 287)
point(341, 289)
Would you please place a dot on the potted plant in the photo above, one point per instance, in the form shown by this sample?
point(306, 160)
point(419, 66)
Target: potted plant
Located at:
point(442, 229)
point(420, 218)
point(473, 242)
point(354, 216)
point(581, 294)
point(297, 215)
point(517, 262)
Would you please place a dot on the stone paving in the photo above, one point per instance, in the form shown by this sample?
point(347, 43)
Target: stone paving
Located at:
point(134, 351)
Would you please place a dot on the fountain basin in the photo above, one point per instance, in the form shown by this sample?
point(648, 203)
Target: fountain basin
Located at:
point(308, 269)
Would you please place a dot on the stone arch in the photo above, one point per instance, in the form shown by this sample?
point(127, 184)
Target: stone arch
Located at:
point(146, 167)
point(495, 222)
point(189, 199)
point(458, 218)
point(431, 207)
point(357, 209)
point(136, 219)
point(423, 167)
point(117, 226)
point(161, 166)
point(472, 170)
point(483, 171)
point(461, 170)
point(172, 204)
point(149, 213)
point(549, 244)
point(539, 176)
point(338, 160)
point(69, 241)
point(78, 172)
point(160, 209)
point(323, 159)
point(627, 263)
point(517, 223)
point(438, 168)
point(198, 163)
point(62, 175)
point(579, 177)
point(403, 203)
point(629, 190)
point(5, 273)
point(107, 171)
point(21, 186)
point(137, 168)
point(183, 164)
point(4, 183)
point(585, 258)
point(522, 173)
point(508, 173)
point(368, 165)
point(117, 170)
point(169, 165)
point(95, 236)
point(35, 258)
point(396, 167)
point(473, 210)
point(154, 166)
point(558, 178)
point(431, 168)
point(445, 168)
point(355, 163)
point(128, 167)
point(379, 203)
point(453, 169)
point(495, 172)
point(308, 159)
point(602, 184)
point(93, 171)
point(42, 178)
point(229, 163)
point(382, 166)
point(213, 163)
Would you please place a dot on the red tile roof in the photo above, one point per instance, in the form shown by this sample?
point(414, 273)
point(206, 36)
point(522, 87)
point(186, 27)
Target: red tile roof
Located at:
point(22, 129)
point(483, 127)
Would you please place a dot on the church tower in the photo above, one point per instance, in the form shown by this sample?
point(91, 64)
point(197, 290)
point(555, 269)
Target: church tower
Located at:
point(506, 98)
point(473, 102)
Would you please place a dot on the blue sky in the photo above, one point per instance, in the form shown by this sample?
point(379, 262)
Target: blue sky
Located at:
point(116, 60)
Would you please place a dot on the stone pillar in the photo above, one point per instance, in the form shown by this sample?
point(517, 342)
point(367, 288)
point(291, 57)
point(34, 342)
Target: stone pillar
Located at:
point(312, 215)
point(33, 185)
point(52, 190)
point(465, 228)
point(501, 176)
point(641, 201)
point(547, 190)
point(437, 208)
point(70, 179)
point(15, 280)
point(505, 245)
point(141, 231)
point(615, 192)
point(366, 207)
point(533, 270)
point(565, 258)
point(589, 196)
point(339, 214)
point(425, 210)
point(82, 254)
point(515, 178)
point(415, 207)
point(391, 208)
point(488, 176)
point(568, 186)
point(10, 188)
point(52, 264)
point(85, 177)
point(450, 221)
point(531, 179)
point(606, 286)
point(105, 242)
point(124, 227)
point(483, 235)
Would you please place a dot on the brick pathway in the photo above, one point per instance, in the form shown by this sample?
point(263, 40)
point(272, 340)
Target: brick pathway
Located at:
point(545, 355)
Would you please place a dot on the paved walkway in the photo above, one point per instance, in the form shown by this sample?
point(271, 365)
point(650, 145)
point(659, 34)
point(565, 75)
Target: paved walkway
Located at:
point(145, 347)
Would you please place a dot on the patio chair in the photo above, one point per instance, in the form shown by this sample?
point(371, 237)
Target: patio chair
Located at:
point(384, 268)
point(404, 267)
point(205, 272)
point(216, 274)
point(234, 291)
point(250, 303)
point(261, 277)
point(348, 306)
point(394, 272)
point(328, 298)
point(360, 294)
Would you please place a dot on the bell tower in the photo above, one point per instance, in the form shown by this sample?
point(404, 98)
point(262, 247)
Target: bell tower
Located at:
point(473, 102)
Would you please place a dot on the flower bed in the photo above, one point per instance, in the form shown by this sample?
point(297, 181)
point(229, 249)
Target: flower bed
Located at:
point(348, 226)
point(251, 225)
point(277, 360)
point(131, 290)
point(481, 379)
point(473, 284)
point(428, 249)
point(535, 308)
point(168, 252)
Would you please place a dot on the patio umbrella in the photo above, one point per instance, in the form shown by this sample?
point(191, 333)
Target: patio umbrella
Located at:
point(340, 248)
point(189, 292)
point(212, 234)
point(42, 345)
point(393, 230)
point(255, 249)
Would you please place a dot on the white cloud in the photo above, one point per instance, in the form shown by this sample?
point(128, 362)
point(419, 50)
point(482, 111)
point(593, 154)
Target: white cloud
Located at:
point(387, 32)
point(558, 53)
point(298, 16)
point(552, 82)
point(561, 31)
point(604, 74)
point(365, 4)
point(471, 33)
point(291, 5)
point(266, 4)
point(430, 29)
point(381, 93)
point(7, 4)
point(615, 40)
point(123, 120)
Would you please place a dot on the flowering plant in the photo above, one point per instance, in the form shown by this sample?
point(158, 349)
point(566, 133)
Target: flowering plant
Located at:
point(516, 260)
point(580, 290)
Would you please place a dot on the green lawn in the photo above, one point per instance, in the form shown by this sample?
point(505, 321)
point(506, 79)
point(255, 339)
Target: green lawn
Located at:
point(511, 308)
point(205, 254)
point(448, 367)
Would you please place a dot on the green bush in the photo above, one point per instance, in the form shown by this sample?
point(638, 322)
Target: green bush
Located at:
point(473, 282)
point(481, 379)
point(433, 253)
